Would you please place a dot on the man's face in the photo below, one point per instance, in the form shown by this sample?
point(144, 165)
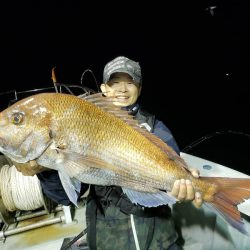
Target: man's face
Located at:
point(122, 87)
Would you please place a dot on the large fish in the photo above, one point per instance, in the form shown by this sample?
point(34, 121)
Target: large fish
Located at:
point(92, 141)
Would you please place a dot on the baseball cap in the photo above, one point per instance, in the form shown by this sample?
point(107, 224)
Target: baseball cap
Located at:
point(124, 65)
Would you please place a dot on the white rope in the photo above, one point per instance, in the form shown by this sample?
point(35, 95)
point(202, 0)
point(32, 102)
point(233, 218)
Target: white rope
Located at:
point(19, 192)
point(5, 189)
point(134, 232)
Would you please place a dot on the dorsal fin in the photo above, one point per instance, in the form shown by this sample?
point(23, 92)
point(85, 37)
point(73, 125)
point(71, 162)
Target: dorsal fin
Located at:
point(106, 104)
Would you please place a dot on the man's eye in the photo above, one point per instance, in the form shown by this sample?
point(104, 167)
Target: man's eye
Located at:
point(17, 118)
point(111, 84)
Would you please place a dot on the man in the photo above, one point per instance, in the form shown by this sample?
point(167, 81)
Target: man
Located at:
point(113, 221)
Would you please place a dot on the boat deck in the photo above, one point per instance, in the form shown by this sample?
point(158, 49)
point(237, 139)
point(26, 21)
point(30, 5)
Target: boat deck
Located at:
point(47, 237)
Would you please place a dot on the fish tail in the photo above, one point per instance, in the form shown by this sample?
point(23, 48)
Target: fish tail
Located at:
point(230, 193)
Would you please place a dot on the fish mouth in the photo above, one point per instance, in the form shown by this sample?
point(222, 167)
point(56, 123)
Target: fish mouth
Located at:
point(17, 153)
point(18, 157)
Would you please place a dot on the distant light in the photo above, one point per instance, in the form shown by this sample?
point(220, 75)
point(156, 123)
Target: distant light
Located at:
point(211, 9)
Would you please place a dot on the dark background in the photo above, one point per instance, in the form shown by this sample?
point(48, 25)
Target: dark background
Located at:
point(194, 55)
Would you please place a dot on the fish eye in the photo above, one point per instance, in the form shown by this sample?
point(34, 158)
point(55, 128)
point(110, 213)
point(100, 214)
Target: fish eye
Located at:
point(17, 118)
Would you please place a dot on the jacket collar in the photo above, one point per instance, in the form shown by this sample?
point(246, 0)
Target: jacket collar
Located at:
point(133, 109)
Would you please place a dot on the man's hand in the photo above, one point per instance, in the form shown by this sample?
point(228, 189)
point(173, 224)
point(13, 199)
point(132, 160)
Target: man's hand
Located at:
point(183, 190)
point(30, 168)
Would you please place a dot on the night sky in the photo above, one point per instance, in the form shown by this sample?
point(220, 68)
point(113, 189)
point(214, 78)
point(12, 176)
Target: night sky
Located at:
point(195, 60)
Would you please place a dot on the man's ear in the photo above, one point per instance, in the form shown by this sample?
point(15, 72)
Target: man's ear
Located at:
point(103, 88)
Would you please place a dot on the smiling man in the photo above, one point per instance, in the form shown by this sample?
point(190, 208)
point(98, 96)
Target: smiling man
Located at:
point(123, 88)
point(122, 80)
point(113, 221)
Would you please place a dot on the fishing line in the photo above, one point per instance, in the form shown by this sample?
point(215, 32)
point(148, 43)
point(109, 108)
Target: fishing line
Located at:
point(211, 135)
point(93, 75)
point(68, 87)
point(19, 192)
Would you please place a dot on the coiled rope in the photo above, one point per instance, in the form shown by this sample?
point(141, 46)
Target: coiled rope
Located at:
point(19, 192)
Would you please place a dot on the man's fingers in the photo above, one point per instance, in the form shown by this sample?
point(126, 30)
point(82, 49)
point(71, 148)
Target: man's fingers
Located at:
point(18, 169)
point(190, 191)
point(198, 200)
point(183, 190)
point(176, 188)
point(24, 171)
point(33, 163)
point(195, 172)
point(30, 168)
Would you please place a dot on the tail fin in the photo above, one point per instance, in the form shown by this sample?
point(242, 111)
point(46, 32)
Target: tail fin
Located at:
point(231, 192)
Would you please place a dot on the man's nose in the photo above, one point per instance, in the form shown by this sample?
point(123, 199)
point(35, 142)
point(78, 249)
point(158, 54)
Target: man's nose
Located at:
point(122, 87)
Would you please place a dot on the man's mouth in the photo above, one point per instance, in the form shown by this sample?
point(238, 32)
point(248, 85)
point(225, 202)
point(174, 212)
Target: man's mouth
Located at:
point(122, 98)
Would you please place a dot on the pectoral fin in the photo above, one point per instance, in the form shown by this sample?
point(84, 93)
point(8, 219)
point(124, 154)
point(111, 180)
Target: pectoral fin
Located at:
point(70, 186)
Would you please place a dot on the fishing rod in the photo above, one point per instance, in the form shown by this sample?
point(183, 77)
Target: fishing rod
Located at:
point(211, 135)
point(69, 244)
point(67, 87)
